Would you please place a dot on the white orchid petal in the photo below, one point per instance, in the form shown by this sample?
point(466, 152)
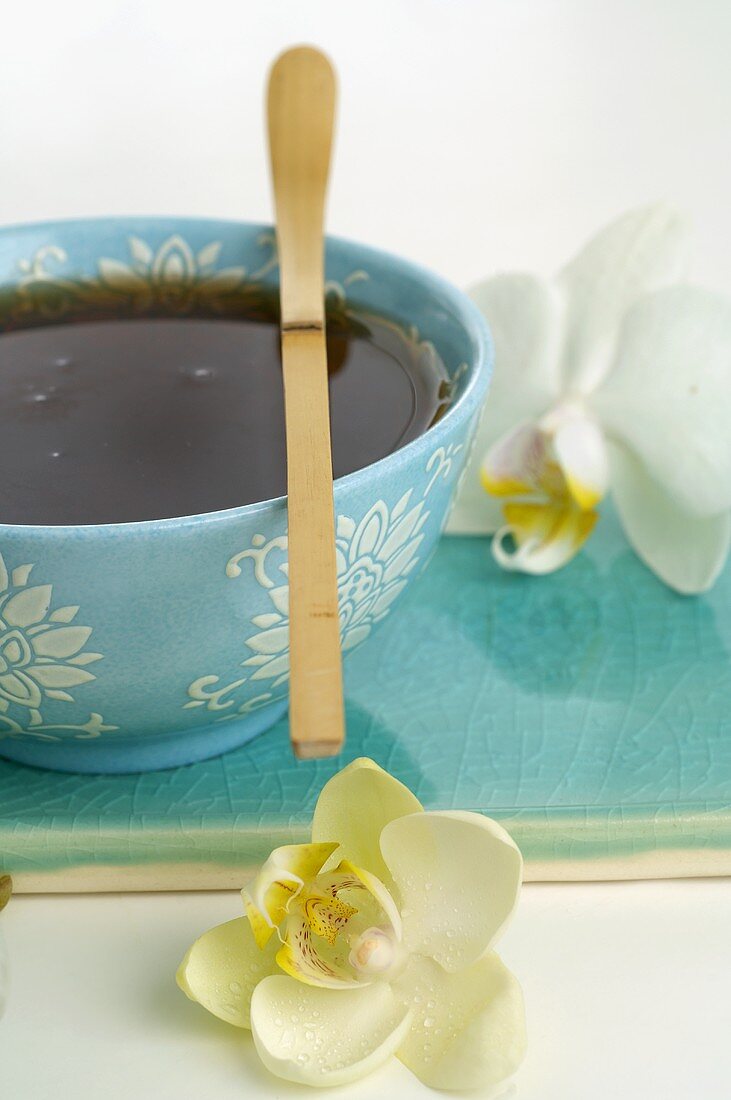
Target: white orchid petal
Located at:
point(458, 876)
point(524, 314)
point(222, 968)
point(315, 1036)
point(580, 450)
point(468, 1028)
point(512, 466)
point(354, 806)
point(687, 552)
point(668, 397)
point(546, 537)
point(474, 512)
point(638, 253)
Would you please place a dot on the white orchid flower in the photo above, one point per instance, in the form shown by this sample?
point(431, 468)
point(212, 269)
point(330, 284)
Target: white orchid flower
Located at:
point(615, 375)
point(376, 943)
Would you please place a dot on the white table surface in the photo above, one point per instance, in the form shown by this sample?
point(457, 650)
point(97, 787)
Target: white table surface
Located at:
point(477, 135)
point(626, 985)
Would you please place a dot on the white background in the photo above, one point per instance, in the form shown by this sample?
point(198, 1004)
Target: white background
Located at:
point(475, 135)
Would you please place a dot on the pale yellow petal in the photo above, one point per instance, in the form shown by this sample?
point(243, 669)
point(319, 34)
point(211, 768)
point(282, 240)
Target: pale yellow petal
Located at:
point(467, 1029)
point(262, 931)
point(222, 968)
point(268, 896)
point(353, 808)
point(320, 1038)
point(458, 875)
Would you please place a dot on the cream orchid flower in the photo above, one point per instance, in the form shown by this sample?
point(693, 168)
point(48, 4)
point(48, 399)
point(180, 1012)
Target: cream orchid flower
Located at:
point(375, 939)
point(609, 376)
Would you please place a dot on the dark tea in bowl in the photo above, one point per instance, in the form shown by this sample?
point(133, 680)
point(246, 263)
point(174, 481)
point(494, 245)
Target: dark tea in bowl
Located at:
point(115, 420)
point(143, 549)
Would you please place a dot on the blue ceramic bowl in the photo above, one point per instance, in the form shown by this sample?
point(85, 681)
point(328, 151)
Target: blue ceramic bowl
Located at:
point(133, 646)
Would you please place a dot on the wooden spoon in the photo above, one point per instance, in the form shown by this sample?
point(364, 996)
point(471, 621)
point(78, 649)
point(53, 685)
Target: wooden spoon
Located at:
point(301, 109)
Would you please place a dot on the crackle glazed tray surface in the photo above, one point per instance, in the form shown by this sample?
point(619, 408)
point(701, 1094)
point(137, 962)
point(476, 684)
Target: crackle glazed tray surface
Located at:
point(590, 712)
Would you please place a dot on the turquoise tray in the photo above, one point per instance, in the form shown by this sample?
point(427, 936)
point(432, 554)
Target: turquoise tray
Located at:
point(590, 712)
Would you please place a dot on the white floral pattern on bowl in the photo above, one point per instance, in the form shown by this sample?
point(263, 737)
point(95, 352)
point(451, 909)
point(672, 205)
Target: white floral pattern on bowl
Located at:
point(173, 276)
point(41, 655)
point(374, 560)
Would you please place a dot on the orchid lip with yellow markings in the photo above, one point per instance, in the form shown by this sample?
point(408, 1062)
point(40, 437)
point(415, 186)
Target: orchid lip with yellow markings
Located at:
point(548, 506)
point(316, 925)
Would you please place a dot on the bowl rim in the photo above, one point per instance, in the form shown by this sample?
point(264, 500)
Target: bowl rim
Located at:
point(468, 315)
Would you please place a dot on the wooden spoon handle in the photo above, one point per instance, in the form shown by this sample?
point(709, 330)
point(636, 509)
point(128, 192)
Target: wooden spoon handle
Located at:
point(301, 109)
